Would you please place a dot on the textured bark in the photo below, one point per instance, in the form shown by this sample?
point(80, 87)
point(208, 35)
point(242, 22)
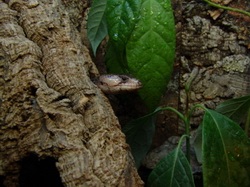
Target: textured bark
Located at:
point(49, 105)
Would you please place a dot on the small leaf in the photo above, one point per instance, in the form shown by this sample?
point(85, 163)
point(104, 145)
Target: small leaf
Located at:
point(236, 109)
point(173, 170)
point(96, 25)
point(151, 49)
point(139, 134)
point(226, 152)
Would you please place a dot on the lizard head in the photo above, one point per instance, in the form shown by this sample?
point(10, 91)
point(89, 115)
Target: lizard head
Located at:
point(115, 84)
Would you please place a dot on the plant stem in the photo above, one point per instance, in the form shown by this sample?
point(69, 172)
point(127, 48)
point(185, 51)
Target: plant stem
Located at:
point(227, 8)
point(187, 129)
point(187, 122)
point(175, 111)
point(187, 116)
point(247, 122)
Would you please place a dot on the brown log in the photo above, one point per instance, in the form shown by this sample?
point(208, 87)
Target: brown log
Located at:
point(49, 105)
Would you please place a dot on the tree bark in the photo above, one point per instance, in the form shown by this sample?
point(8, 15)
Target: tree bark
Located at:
point(49, 105)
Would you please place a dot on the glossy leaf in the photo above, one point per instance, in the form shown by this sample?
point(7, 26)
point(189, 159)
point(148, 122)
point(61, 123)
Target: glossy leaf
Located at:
point(226, 152)
point(173, 170)
point(236, 109)
point(121, 18)
point(139, 134)
point(151, 49)
point(96, 25)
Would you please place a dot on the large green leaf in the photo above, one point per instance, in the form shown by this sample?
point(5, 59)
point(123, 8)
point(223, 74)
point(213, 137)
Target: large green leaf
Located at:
point(96, 25)
point(151, 49)
point(121, 18)
point(173, 170)
point(226, 152)
point(139, 134)
point(236, 109)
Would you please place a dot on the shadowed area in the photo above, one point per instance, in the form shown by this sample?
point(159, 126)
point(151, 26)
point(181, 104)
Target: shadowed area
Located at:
point(37, 172)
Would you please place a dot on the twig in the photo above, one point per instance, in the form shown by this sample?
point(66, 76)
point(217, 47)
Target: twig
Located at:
point(227, 8)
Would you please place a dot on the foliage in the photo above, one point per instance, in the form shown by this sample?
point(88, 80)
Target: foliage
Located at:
point(140, 132)
point(139, 135)
point(122, 16)
point(141, 41)
point(151, 49)
point(223, 146)
point(236, 110)
point(225, 151)
point(97, 25)
point(173, 170)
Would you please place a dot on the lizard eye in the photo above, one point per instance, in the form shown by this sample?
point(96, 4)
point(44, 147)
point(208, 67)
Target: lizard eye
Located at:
point(124, 78)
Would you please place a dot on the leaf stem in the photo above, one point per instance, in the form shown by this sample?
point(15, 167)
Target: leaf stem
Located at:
point(187, 116)
point(227, 8)
point(180, 115)
point(247, 122)
point(186, 120)
point(187, 124)
point(181, 139)
point(198, 106)
point(187, 129)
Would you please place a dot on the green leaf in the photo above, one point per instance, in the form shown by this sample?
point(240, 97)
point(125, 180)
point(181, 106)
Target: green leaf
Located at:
point(151, 49)
point(236, 109)
point(139, 134)
point(226, 152)
point(173, 170)
point(96, 25)
point(121, 18)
